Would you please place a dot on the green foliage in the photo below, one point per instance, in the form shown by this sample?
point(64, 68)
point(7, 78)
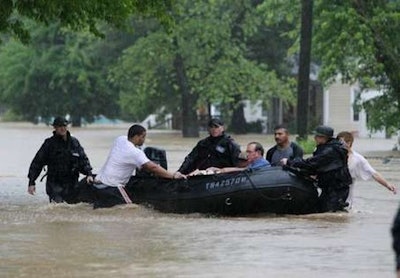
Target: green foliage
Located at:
point(57, 74)
point(357, 41)
point(308, 145)
point(216, 63)
point(76, 14)
point(10, 116)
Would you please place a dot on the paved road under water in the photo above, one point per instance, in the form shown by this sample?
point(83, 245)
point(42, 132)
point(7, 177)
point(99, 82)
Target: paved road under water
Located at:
point(38, 239)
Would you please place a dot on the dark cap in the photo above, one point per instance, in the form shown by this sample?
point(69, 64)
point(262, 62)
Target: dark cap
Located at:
point(60, 121)
point(215, 122)
point(323, 130)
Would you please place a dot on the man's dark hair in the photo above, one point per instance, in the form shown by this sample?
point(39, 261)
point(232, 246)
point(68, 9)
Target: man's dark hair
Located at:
point(258, 147)
point(281, 126)
point(135, 130)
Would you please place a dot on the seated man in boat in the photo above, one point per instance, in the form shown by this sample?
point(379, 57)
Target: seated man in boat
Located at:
point(125, 156)
point(329, 164)
point(255, 160)
point(217, 150)
point(284, 148)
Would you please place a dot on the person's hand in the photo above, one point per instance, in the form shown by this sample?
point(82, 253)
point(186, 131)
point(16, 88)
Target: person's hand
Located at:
point(89, 179)
point(178, 175)
point(32, 189)
point(392, 188)
point(283, 161)
point(214, 170)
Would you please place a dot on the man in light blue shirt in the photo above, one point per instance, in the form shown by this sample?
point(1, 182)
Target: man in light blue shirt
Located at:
point(255, 156)
point(255, 160)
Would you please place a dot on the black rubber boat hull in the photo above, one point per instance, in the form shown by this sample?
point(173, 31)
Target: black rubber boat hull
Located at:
point(270, 190)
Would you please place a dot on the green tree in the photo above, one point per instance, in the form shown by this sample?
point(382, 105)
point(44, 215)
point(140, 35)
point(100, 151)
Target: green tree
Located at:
point(76, 14)
point(200, 61)
point(58, 74)
point(357, 41)
point(366, 50)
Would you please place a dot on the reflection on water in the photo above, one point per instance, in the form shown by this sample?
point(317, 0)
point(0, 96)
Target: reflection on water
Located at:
point(38, 239)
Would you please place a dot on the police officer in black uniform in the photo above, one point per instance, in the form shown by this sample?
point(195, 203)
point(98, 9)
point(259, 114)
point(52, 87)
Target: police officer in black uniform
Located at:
point(329, 164)
point(217, 150)
point(65, 159)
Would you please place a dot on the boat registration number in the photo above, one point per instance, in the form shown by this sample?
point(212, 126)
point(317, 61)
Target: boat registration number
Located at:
point(225, 183)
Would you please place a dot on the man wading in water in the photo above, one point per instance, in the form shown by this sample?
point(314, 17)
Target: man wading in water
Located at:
point(65, 159)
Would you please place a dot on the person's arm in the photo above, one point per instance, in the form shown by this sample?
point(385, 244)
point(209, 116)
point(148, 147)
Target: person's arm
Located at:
point(85, 167)
point(36, 167)
point(367, 171)
point(234, 150)
point(188, 164)
point(83, 163)
point(381, 180)
point(217, 170)
point(161, 172)
point(231, 169)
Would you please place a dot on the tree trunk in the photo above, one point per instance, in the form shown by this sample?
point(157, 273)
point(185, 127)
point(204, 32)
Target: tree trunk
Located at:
point(304, 68)
point(190, 126)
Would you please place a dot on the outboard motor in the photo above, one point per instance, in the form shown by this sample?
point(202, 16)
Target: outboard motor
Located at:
point(156, 155)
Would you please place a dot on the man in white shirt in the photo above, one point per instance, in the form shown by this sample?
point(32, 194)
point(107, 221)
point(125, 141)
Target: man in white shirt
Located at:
point(124, 158)
point(360, 168)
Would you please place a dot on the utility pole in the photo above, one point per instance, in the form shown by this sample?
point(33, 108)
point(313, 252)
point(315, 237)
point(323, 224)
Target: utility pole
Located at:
point(303, 82)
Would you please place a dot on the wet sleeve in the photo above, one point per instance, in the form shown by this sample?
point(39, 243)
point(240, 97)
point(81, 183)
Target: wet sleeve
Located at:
point(188, 164)
point(38, 162)
point(302, 164)
point(322, 159)
point(366, 170)
point(85, 167)
point(235, 153)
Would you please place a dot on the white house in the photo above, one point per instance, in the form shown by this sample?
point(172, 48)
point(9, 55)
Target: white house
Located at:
point(253, 112)
point(339, 112)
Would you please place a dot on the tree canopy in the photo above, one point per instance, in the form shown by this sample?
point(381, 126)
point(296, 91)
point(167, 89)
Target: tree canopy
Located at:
point(357, 42)
point(76, 14)
point(59, 73)
point(201, 60)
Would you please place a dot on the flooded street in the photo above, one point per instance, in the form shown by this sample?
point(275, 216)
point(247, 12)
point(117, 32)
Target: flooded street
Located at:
point(38, 239)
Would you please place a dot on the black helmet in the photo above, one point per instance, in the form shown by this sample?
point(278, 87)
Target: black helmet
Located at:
point(60, 121)
point(323, 130)
point(215, 122)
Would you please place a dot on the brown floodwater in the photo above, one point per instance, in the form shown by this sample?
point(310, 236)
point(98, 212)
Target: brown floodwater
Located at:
point(38, 239)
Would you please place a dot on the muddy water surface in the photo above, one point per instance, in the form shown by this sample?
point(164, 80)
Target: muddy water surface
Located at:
point(38, 239)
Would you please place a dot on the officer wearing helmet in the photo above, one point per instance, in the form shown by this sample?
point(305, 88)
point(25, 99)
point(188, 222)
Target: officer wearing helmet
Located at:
point(65, 159)
point(217, 150)
point(329, 165)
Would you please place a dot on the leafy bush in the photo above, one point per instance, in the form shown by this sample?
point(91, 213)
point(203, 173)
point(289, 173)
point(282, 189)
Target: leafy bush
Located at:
point(10, 116)
point(307, 145)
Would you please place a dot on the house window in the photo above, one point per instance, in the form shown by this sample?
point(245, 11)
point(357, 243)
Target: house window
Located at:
point(356, 115)
point(356, 105)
